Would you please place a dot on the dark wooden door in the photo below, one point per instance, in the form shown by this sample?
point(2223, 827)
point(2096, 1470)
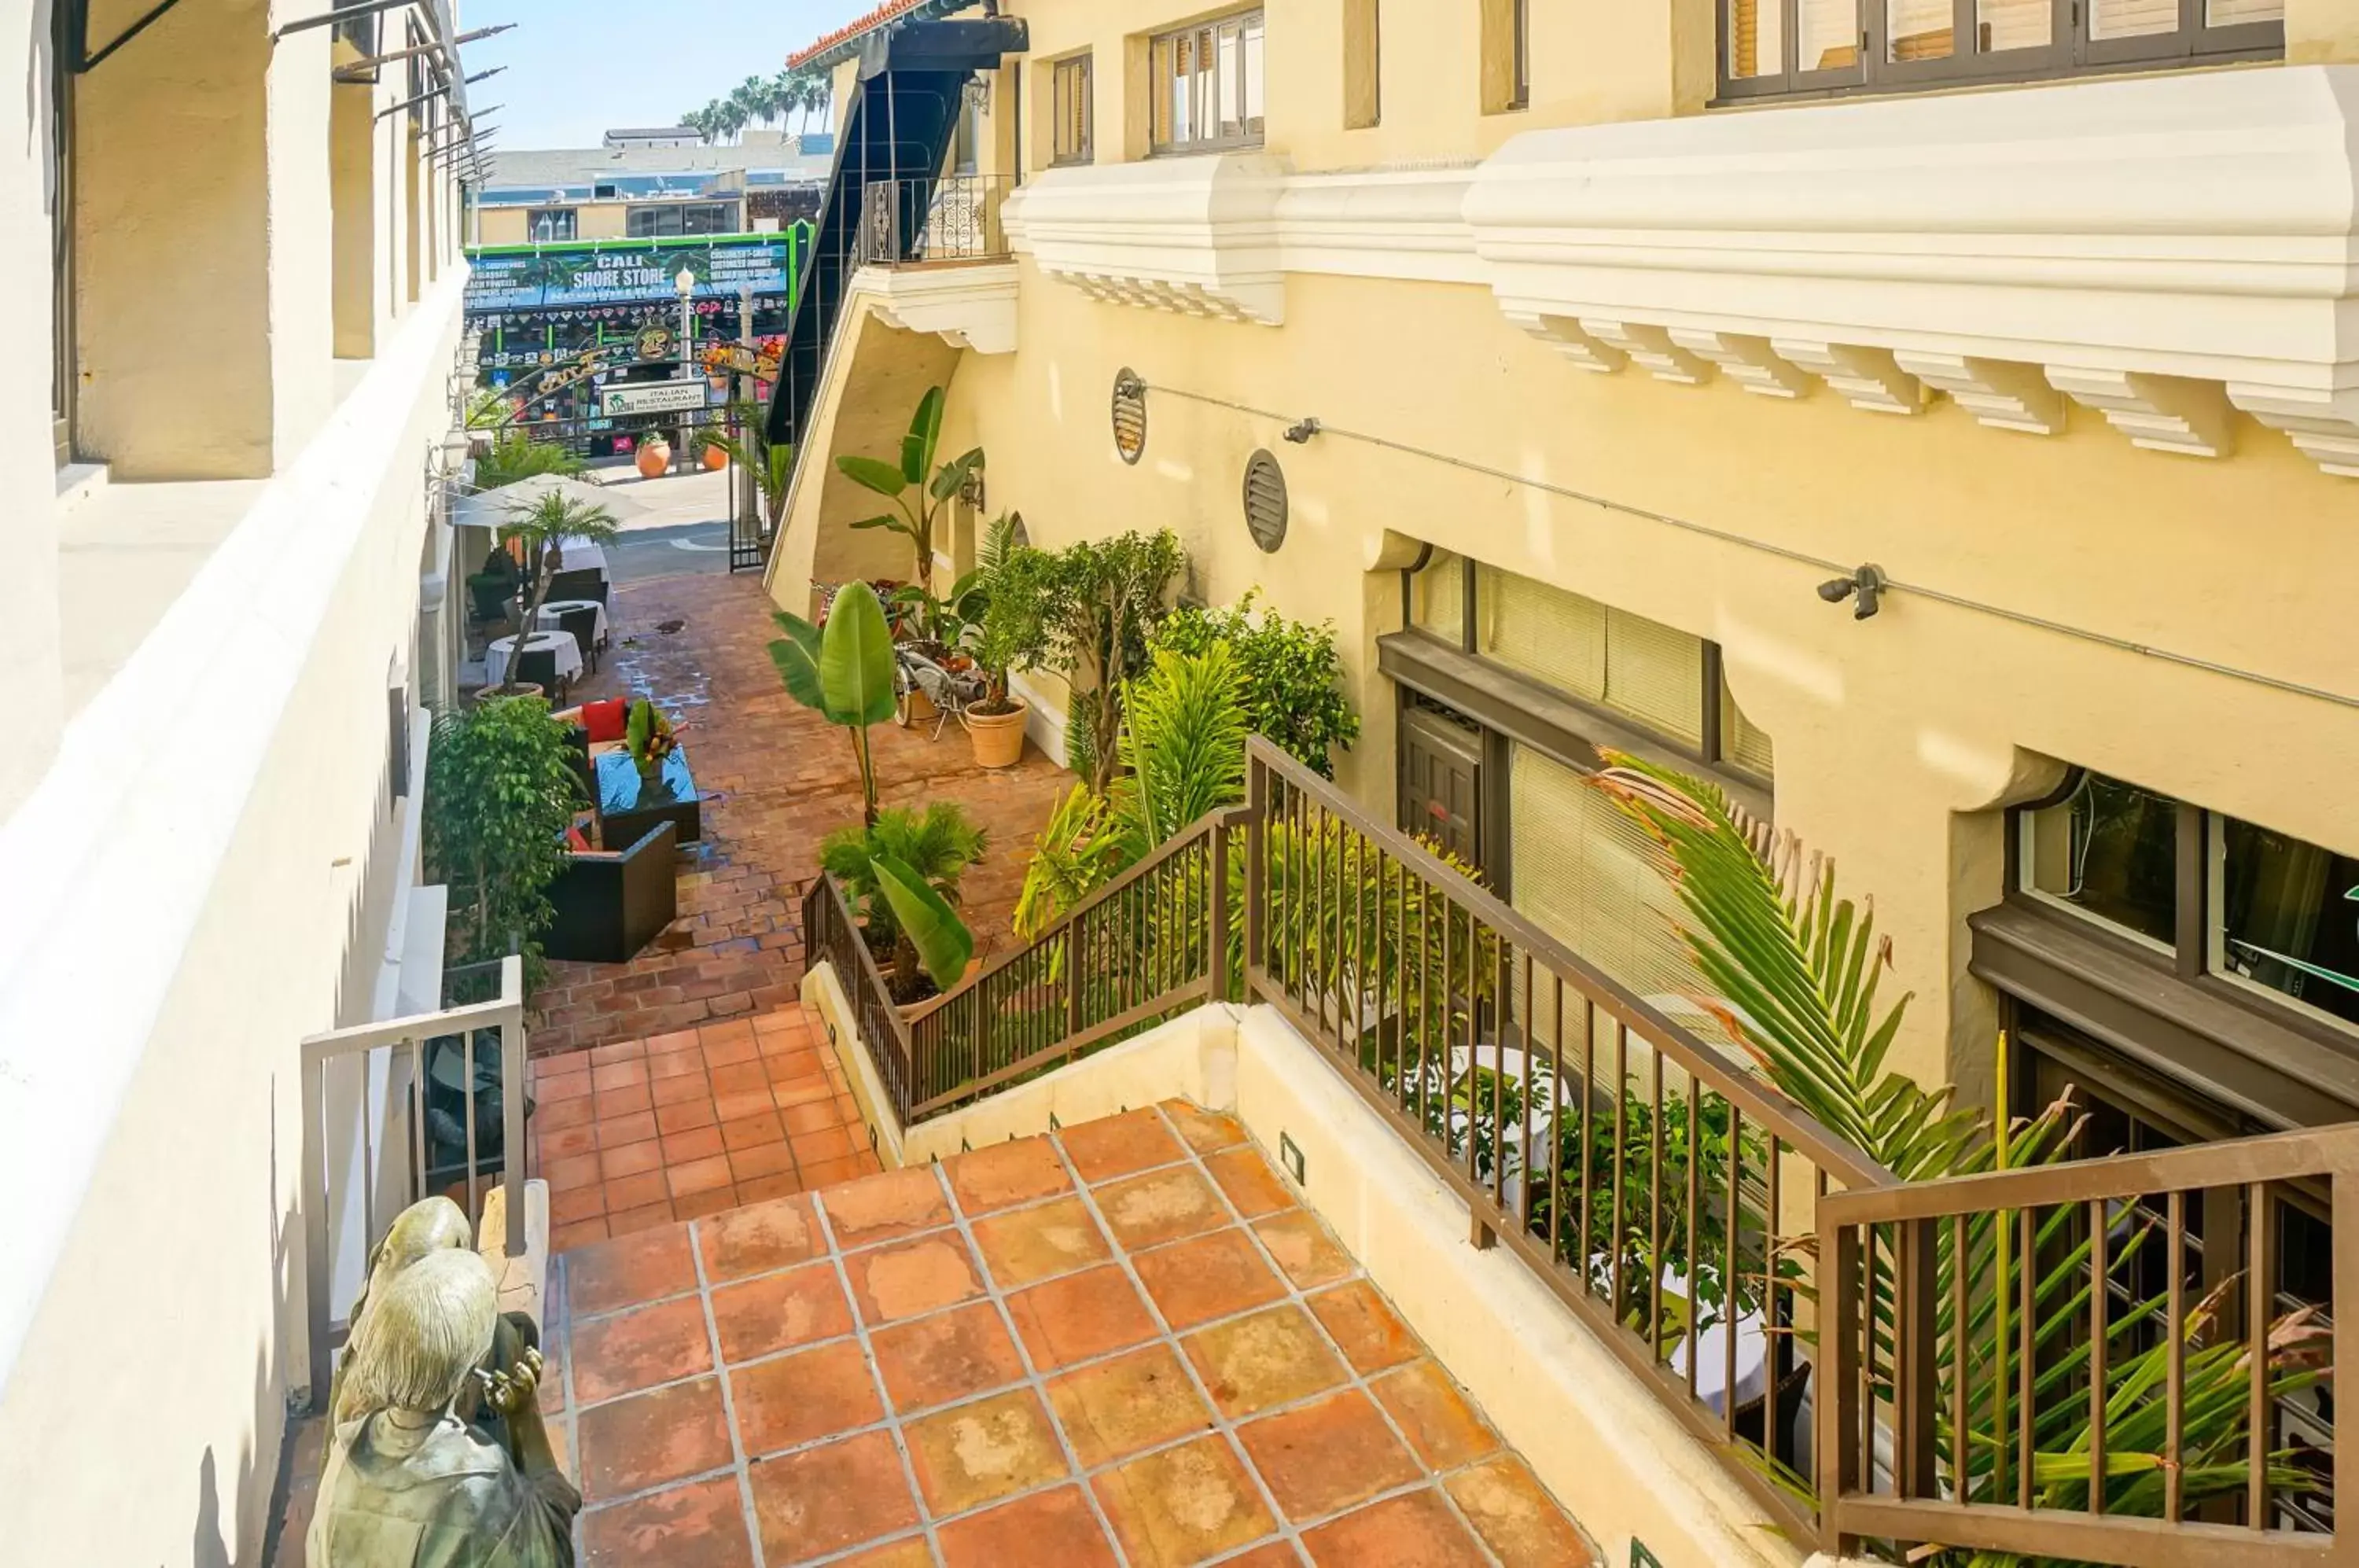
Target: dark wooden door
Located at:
point(1441, 780)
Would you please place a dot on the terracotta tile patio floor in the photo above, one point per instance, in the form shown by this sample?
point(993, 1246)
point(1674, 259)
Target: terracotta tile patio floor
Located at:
point(1120, 1343)
point(777, 779)
point(644, 1132)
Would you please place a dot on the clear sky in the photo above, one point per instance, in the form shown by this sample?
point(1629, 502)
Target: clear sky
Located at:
point(577, 66)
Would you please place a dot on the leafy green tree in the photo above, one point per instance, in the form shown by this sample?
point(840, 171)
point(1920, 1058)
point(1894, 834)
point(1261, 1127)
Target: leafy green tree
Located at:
point(540, 528)
point(1090, 610)
point(517, 456)
point(920, 491)
point(1290, 674)
point(501, 789)
point(844, 673)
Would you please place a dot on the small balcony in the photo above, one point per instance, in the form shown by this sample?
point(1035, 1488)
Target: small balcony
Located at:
point(933, 256)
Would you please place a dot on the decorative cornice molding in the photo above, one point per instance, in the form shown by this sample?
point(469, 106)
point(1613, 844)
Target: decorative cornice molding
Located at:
point(968, 305)
point(2161, 250)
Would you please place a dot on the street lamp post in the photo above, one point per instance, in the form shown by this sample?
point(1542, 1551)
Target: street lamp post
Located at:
point(686, 284)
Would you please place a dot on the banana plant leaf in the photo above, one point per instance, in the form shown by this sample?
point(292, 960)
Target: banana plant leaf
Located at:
point(870, 474)
point(944, 944)
point(925, 430)
point(797, 657)
point(855, 658)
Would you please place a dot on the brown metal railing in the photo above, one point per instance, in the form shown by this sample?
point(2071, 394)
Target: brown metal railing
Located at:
point(1783, 1294)
point(1992, 1341)
point(832, 936)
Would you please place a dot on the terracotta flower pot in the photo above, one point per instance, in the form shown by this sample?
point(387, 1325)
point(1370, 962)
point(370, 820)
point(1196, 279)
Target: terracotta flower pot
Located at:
point(715, 460)
point(654, 458)
point(999, 737)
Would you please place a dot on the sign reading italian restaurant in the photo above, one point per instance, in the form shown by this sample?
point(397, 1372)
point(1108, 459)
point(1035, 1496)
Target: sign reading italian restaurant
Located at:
point(535, 278)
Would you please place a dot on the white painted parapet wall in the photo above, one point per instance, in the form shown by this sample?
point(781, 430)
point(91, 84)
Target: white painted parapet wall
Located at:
point(2160, 250)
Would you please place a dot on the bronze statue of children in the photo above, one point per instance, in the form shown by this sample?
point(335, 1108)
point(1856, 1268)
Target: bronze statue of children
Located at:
point(411, 1484)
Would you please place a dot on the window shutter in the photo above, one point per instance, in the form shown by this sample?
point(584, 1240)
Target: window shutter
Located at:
point(1557, 638)
point(1654, 674)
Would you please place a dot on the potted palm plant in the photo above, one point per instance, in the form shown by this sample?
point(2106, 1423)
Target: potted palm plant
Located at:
point(915, 517)
point(934, 849)
point(539, 528)
point(1010, 636)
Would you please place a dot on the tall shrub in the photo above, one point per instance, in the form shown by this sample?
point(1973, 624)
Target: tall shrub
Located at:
point(501, 789)
point(1289, 674)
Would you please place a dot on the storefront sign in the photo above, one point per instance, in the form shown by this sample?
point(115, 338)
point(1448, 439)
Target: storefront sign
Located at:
point(539, 277)
point(654, 397)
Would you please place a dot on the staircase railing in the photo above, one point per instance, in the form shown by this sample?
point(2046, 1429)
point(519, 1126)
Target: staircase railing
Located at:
point(375, 1117)
point(1772, 1285)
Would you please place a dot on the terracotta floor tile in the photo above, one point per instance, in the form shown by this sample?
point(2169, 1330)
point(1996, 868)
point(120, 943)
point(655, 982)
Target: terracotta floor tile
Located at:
point(1415, 1531)
point(1517, 1518)
point(640, 1349)
point(1027, 1245)
point(581, 1204)
point(1184, 1505)
point(1305, 1254)
point(649, 1216)
point(730, 1033)
point(686, 1116)
point(698, 1176)
point(1133, 1402)
point(560, 1142)
point(798, 1398)
point(818, 1116)
point(899, 1202)
point(1364, 1326)
point(674, 1089)
point(1434, 1415)
point(552, 1088)
point(712, 1201)
point(555, 1116)
point(671, 1044)
point(912, 1552)
point(1080, 1316)
point(672, 1065)
point(811, 1148)
point(1116, 1146)
point(667, 1435)
point(1327, 1456)
point(1271, 1358)
point(908, 1277)
point(614, 1132)
point(1006, 1174)
point(727, 1052)
point(1055, 1527)
point(621, 1050)
point(1247, 1178)
point(629, 1272)
point(565, 1235)
point(949, 1356)
point(697, 1143)
point(740, 1104)
point(757, 1240)
point(697, 1526)
point(752, 1130)
point(972, 1454)
point(1203, 1131)
point(636, 1192)
point(738, 1077)
point(1210, 1277)
point(791, 1091)
point(622, 1102)
point(762, 1159)
point(828, 1172)
point(761, 1188)
point(619, 1075)
point(779, 1312)
point(1162, 1205)
point(630, 1160)
point(826, 1499)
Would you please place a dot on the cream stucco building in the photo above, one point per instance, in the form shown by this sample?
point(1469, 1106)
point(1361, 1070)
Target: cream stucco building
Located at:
point(220, 567)
point(1621, 342)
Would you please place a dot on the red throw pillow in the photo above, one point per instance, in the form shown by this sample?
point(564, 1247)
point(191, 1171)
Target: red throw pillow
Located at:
point(605, 721)
point(576, 841)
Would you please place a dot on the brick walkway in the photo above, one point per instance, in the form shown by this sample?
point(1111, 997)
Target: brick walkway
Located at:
point(1127, 1332)
point(777, 781)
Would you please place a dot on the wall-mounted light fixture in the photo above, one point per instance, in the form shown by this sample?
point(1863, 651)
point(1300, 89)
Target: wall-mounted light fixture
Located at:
point(1864, 588)
point(1301, 430)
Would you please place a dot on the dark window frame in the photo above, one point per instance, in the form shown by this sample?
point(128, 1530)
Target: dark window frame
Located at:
point(2189, 957)
point(679, 210)
point(1520, 33)
point(572, 225)
point(1072, 81)
point(1710, 755)
point(2071, 51)
point(1250, 132)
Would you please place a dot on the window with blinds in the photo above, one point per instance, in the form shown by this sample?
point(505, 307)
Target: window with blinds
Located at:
point(1207, 85)
point(1584, 872)
point(1744, 744)
point(1069, 91)
point(1652, 672)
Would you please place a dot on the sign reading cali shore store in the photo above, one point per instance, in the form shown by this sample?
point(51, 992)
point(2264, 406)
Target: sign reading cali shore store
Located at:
point(609, 272)
point(654, 397)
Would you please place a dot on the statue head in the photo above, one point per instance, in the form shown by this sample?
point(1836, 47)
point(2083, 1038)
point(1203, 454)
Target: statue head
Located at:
point(424, 1337)
point(429, 1226)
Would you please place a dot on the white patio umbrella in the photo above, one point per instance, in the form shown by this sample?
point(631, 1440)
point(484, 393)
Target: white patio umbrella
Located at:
point(489, 508)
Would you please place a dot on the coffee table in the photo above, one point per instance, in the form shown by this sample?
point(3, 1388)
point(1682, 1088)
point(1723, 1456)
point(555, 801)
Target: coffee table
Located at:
point(630, 805)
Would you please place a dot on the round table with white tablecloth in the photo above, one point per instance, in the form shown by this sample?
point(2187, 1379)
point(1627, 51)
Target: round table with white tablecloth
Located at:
point(578, 554)
point(554, 612)
point(568, 652)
